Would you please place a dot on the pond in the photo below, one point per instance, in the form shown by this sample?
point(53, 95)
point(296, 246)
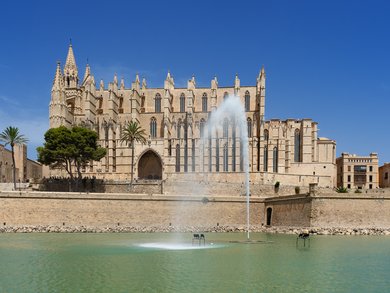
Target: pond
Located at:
point(168, 262)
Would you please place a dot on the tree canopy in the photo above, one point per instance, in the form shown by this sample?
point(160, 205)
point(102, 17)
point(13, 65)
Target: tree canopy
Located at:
point(70, 149)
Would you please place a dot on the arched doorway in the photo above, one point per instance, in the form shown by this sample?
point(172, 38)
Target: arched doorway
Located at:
point(150, 166)
point(269, 216)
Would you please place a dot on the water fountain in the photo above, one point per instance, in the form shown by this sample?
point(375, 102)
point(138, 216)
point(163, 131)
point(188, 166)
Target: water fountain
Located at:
point(231, 109)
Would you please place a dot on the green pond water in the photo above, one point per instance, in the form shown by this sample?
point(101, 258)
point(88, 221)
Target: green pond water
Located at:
point(167, 262)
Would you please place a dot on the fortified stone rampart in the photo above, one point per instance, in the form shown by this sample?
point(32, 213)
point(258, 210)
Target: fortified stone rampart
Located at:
point(104, 210)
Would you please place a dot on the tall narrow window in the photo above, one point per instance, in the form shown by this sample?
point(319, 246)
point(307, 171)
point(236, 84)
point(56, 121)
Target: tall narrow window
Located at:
point(210, 151)
point(225, 158)
point(234, 146)
point(179, 129)
point(182, 103)
point(177, 158)
point(247, 101)
point(170, 147)
point(217, 154)
point(266, 135)
point(201, 127)
point(275, 159)
point(157, 103)
point(153, 128)
point(249, 126)
point(297, 146)
point(193, 155)
point(204, 102)
point(266, 159)
point(225, 128)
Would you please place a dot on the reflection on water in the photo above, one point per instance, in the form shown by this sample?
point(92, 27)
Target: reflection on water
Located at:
point(170, 263)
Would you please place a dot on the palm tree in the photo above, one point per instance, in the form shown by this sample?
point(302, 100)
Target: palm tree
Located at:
point(12, 136)
point(133, 133)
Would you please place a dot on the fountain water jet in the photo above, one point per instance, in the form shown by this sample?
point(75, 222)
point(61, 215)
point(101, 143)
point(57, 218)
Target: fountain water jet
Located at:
point(231, 108)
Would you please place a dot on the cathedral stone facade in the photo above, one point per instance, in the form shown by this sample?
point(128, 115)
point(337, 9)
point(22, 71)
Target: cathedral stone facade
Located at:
point(287, 151)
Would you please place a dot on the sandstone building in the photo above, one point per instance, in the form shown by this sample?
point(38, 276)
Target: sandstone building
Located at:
point(288, 151)
point(26, 169)
point(384, 175)
point(357, 172)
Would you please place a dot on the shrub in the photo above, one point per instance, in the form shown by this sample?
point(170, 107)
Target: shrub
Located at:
point(341, 189)
point(205, 200)
point(358, 191)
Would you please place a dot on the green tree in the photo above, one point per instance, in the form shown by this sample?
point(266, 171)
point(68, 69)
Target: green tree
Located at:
point(133, 133)
point(12, 136)
point(70, 149)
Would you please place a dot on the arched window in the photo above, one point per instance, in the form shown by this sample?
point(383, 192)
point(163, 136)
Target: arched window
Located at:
point(157, 103)
point(201, 127)
point(266, 135)
point(297, 146)
point(247, 101)
point(225, 158)
point(179, 129)
point(275, 159)
point(249, 126)
point(225, 128)
point(182, 103)
point(153, 127)
point(225, 95)
point(177, 158)
point(265, 158)
point(204, 102)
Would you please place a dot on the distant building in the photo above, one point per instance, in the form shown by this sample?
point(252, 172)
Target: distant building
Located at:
point(384, 176)
point(357, 172)
point(289, 151)
point(26, 169)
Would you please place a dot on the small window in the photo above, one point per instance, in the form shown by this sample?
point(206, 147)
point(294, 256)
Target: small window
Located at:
point(249, 126)
point(349, 178)
point(349, 186)
point(370, 186)
point(204, 103)
point(153, 128)
point(370, 178)
point(247, 101)
point(157, 103)
point(182, 103)
point(386, 175)
point(349, 168)
point(225, 128)
point(370, 168)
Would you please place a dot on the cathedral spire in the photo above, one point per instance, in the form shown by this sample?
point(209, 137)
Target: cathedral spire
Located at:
point(70, 69)
point(70, 64)
point(57, 83)
point(87, 72)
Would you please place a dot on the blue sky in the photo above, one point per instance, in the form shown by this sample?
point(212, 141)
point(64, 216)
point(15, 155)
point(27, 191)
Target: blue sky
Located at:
point(325, 60)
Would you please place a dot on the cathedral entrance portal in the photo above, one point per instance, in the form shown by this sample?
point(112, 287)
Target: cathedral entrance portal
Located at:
point(150, 166)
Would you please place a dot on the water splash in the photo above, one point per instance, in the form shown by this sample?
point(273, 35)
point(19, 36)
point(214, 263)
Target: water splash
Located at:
point(231, 110)
point(177, 246)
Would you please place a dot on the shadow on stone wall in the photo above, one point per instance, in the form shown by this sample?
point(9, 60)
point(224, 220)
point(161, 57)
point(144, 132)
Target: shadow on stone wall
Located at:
point(93, 185)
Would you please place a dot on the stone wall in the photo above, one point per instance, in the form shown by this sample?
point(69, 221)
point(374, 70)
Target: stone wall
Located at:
point(367, 210)
point(291, 211)
point(101, 210)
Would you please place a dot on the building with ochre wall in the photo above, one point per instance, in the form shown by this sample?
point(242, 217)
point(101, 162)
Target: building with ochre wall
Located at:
point(26, 169)
point(357, 172)
point(288, 151)
point(384, 175)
